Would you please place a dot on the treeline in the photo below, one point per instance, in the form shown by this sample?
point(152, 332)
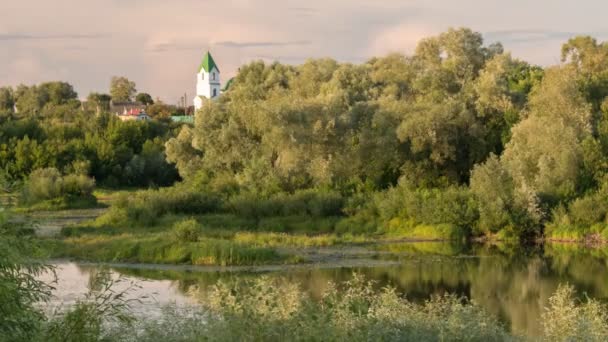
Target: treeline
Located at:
point(46, 126)
point(460, 135)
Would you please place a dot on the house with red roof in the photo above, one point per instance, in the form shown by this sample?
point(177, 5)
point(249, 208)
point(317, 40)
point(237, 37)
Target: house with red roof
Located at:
point(134, 114)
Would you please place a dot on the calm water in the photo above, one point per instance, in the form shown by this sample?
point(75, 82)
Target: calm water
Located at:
point(513, 284)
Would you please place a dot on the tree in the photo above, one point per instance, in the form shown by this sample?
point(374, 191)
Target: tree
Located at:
point(7, 99)
point(558, 97)
point(121, 89)
point(57, 93)
point(160, 110)
point(100, 101)
point(493, 187)
point(144, 98)
point(584, 53)
point(20, 290)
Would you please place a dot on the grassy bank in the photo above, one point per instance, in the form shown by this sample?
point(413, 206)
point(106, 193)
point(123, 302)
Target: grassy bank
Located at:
point(160, 248)
point(178, 239)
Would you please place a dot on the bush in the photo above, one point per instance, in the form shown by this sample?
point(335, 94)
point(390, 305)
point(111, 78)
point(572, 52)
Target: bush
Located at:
point(568, 319)
point(43, 184)
point(78, 185)
point(312, 202)
point(49, 185)
point(267, 309)
point(146, 207)
point(584, 216)
point(186, 231)
point(439, 213)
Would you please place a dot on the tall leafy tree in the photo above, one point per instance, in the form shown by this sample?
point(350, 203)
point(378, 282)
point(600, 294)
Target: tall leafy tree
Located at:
point(122, 89)
point(144, 98)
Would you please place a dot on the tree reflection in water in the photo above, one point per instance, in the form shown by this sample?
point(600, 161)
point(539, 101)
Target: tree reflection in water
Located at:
point(513, 283)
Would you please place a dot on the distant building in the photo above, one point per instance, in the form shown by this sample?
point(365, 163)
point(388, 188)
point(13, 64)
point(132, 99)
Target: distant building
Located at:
point(208, 84)
point(123, 108)
point(134, 114)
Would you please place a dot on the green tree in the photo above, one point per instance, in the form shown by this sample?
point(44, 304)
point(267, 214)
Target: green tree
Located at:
point(494, 189)
point(122, 89)
point(7, 99)
point(160, 110)
point(101, 102)
point(144, 98)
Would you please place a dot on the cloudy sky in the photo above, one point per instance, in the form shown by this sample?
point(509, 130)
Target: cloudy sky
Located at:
point(159, 43)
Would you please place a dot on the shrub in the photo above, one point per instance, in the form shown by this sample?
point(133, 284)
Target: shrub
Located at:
point(568, 319)
point(312, 202)
point(78, 185)
point(453, 211)
point(186, 231)
point(48, 184)
point(43, 184)
point(583, 216)
point(145, 207)
point(275, 309)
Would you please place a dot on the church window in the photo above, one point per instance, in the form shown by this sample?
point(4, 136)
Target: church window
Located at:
point(213, 76)
point(214, 92)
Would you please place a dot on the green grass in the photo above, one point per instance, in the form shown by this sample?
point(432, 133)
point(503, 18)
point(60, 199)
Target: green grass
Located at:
point(597, 233)
point(62, 203)
point(400, 228)
point(108, 196)
point(179, 239)
point(296, 240)
point(218, 239)
point(161, 248)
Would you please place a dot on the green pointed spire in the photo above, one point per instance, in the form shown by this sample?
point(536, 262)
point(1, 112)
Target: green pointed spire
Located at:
point(208, 63)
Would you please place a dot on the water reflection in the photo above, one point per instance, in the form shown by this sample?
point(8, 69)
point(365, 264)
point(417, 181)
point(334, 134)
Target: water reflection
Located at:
point(72, 282)
point(512, 283)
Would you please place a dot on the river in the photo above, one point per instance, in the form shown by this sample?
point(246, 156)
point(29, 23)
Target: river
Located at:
point(512, 283)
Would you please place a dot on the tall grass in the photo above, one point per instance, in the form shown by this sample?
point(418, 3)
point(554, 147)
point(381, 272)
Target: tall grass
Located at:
point(162, 248)
point(569, 319)
point(276, 309)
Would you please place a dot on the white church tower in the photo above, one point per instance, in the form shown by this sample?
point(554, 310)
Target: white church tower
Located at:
point(207, 81)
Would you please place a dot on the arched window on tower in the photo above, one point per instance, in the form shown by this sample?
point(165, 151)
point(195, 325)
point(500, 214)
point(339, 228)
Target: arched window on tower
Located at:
point(214, 92)
point(213, 76)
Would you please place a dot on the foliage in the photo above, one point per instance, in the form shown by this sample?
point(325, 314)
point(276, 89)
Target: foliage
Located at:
point(115, 153)
point(427, 213)
point(122, 89)
point(457, 139)
point(148, 206)
point(20, 288)
point(266, 309)
point(144, 98)
point(186, 231)
point(568, 319)
point(162, 248)
point(87, 320)
point(49, 184)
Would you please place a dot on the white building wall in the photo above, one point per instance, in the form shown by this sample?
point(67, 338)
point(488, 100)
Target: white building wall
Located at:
point(207, 86)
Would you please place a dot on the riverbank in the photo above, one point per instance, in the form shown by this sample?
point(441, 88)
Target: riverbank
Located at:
point(210, 240)
point(515, 286)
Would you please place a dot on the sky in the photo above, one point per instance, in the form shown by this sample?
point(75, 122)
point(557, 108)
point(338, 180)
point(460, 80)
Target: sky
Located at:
point(158, 44)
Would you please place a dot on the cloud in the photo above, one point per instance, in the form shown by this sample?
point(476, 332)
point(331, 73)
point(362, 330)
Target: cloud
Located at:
point(164, 47)
point(233, 44)
point(22, 37)
point(537, 35)
point(304, 11)
point(401, 38)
